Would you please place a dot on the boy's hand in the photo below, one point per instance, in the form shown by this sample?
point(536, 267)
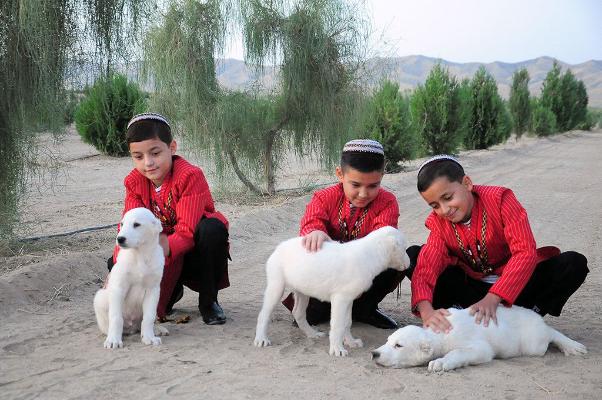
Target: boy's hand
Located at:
point(313, 240)
point(434, 319)
point(485, 309)
point(164, 243)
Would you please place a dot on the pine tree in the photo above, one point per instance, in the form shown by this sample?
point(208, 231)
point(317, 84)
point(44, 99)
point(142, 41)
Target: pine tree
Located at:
point(519, 102)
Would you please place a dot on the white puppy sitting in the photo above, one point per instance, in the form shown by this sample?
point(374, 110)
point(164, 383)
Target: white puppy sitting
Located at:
point(338, 273)
point(131, 295)
point(519, 332)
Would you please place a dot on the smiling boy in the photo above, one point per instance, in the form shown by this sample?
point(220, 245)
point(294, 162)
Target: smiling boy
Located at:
point(481, 253)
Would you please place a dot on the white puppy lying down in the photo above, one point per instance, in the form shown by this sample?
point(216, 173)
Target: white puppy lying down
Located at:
point(337, 273)
point(519, 332)
point(130, 298)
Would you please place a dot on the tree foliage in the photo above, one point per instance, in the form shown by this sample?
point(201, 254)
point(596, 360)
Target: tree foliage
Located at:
point(38, 41)
point(316, 44)
point(437, 111)
point(566, 97)
point(543, 120)
point(388, 121)
point(519, 102)
point(488, 123)
point(102, 116)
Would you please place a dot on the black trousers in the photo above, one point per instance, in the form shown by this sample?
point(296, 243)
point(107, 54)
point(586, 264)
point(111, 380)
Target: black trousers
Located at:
point(383, 284)
point(552, 283)
point(206, 264)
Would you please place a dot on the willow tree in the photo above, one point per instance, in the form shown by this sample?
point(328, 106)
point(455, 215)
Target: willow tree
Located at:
point(317, 46)
point(38, 40)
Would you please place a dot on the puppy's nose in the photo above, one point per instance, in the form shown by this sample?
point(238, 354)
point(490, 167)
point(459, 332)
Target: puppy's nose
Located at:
point(121, 239)
point(375, 354)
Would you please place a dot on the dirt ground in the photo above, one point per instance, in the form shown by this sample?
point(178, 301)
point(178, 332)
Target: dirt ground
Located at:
point(51, 348)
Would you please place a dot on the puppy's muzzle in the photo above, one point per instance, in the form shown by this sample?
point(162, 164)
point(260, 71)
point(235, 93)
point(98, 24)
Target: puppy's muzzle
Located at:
point(375, 354)
point(121, 241)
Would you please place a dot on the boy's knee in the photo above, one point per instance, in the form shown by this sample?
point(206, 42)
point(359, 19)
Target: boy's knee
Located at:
point(577, 263)
point(212, 230)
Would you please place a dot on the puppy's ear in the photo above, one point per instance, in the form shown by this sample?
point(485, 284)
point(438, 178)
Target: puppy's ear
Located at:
point(157, 225)
point(426, 348)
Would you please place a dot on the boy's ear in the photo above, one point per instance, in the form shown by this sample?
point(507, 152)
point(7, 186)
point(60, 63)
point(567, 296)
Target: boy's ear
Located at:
point(339, 172)
point(467, 182)
point(173, 146)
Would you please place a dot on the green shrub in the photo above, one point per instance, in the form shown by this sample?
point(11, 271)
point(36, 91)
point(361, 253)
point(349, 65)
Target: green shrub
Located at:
point(388, 121)
point(102, 116)
point(543, 121)
point(438, 113)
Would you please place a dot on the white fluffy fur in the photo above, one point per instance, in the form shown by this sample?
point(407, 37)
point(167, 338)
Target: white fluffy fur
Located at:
point(519, 332)
point(337, 273)
point(129, 301)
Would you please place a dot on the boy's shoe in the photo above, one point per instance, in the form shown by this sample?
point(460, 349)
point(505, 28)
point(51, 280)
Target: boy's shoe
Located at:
point(376, 318)
point(213, 314)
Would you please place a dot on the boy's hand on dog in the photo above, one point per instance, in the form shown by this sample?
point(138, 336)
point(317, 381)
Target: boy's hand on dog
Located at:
point(485, 309)
point(434, 319)
point(313, 240)
point(164, 244)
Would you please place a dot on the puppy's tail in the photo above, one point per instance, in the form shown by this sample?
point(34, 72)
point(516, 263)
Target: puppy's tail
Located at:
point(566, 345)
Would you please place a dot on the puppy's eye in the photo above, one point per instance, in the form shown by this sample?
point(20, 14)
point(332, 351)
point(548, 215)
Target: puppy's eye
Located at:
point(398, 346)
point(136, 224)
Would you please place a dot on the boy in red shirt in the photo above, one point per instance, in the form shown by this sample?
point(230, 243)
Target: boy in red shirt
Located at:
point(350, 210)
point(481, 252)
point(195, 235)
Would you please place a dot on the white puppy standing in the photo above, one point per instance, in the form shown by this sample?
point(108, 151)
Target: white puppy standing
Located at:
point(130, 298)
point(519, 332)
point(338, 273)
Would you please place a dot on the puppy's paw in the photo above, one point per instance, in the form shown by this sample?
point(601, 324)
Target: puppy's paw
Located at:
point(576, 349)
point(315, 334)
point(338, 351)
point(160, 330)
point(440, 364)
point(155, 341)
point(113, 343)
point(353, 343)
point(262, 342)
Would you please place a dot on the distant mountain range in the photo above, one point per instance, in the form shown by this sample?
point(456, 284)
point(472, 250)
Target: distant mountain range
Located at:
point(412, 70)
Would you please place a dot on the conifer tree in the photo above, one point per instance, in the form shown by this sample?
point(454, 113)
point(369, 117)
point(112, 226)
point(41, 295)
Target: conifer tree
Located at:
point(519, 102)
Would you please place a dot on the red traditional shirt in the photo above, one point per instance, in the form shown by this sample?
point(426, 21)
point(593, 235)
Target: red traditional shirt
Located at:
point(183, 200)
point(511, 249)
point(322, 213)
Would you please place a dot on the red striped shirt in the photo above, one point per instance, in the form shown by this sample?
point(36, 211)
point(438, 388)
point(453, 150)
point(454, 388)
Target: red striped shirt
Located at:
point(187, 192)
point(511, 248)
point(322, 213)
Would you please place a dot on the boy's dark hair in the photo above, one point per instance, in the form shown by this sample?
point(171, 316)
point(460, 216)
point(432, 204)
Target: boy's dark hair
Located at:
point(363, 161)
point(447, 168)
point(149, 129)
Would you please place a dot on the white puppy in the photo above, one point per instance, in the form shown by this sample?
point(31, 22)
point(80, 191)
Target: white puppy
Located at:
point(519, 332)
point(130, 298)
point(338, 273)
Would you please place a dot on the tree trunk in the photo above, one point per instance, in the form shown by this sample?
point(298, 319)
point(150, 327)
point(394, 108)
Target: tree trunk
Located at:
point(240, 174)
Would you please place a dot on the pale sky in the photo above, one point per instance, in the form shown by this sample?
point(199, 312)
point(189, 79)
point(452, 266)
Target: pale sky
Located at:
point(486, 30)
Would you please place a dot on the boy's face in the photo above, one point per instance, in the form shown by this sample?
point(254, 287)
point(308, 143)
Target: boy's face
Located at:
point(152, 158)
point(360, 187)
point(452, 201)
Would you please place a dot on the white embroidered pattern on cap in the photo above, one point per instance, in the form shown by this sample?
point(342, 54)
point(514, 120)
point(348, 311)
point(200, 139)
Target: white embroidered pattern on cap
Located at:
point(145, 116)
point(438, 158)
point(364, 145)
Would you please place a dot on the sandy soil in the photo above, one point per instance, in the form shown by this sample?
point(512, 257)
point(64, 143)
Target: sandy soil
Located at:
point(50, 347)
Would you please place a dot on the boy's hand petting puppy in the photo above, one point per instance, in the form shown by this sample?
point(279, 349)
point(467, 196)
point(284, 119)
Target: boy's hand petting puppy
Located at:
point(484, 310)
point(164, 243)
point(434, 319)
point(313, 240)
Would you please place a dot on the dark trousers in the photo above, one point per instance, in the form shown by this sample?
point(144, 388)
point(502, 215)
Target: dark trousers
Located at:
point(552, 283)
point(206, 265)
point(383, 284)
